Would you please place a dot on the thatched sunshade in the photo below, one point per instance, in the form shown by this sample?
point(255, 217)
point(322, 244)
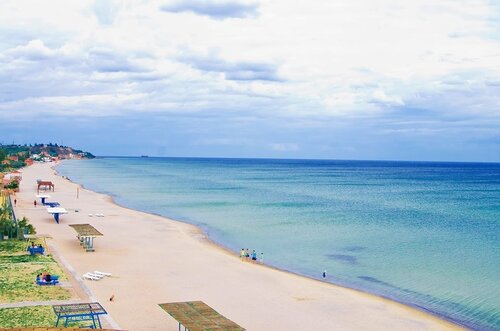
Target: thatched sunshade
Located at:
point(198, 316)
point(86, 234)
point(85, 230)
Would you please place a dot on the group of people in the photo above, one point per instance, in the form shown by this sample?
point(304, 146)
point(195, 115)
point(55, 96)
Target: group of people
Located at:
point(36, 246)
point(44, 277)
point(245, 255)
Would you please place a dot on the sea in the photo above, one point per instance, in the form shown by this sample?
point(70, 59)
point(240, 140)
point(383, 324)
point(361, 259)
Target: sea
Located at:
point(426, 234)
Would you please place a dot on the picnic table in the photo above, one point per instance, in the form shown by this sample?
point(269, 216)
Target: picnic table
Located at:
point(56, 211)
point(80, 312)
point(42, 197)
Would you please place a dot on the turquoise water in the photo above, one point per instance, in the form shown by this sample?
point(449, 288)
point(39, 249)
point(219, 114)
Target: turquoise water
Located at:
point(425, 234)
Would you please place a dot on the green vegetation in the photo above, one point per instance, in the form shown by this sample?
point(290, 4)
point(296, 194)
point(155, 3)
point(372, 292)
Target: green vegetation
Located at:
point(27, 316)
point(10, 228)
point(24, 223)
point(14, 185)
point(17, 283)
point(17, 155)
point(7, 224)
point(19, 270)
point(11, 247)
point(35, 316)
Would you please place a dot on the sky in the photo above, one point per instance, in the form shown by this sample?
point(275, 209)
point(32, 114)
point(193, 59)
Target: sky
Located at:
point(324, 79)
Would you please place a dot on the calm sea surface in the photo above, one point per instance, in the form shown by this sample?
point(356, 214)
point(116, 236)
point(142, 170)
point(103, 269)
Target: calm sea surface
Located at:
point(422, 233)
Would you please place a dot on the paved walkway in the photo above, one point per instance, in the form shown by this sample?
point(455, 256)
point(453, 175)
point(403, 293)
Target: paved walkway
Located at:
point(37, 303)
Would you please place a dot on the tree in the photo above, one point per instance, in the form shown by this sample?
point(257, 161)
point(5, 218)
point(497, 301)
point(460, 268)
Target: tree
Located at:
point(3, 154)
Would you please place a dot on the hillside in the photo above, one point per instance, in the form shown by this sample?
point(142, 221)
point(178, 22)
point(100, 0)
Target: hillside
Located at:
point(16, 156)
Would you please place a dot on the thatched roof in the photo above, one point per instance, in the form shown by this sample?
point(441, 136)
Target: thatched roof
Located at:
point(85, 230)
point(198, 316)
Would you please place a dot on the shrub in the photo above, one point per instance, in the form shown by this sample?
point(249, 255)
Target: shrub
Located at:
point(24, 222)
point(14, 185)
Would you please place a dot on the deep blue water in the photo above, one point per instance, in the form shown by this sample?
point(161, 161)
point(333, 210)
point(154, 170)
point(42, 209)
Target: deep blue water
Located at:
point(422, 233)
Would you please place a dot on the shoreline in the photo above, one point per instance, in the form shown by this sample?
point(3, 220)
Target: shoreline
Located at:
point(197, 234)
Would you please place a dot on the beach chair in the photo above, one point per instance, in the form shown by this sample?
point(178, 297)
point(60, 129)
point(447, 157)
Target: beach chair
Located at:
point(92, 276)
point(103, 274)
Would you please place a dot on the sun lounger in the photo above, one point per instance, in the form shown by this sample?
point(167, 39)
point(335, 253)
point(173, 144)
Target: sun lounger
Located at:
point(100, 273)
point(92, 276)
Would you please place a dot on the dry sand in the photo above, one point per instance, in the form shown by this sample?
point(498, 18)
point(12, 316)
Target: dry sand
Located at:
point(156, 260)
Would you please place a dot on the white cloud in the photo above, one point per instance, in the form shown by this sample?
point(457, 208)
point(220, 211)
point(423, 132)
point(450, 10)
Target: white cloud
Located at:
point(218, 10)
point(380, 97)
point(340, 59)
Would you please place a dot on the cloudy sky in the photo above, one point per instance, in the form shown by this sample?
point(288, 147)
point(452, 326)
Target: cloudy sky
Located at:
point(335, 79)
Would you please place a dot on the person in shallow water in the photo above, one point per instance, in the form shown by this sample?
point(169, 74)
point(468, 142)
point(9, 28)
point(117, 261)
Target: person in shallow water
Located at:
point(254, 255)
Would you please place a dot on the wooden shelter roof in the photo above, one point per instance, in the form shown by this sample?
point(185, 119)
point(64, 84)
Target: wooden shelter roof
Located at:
point(85, 230)
point(198, 316)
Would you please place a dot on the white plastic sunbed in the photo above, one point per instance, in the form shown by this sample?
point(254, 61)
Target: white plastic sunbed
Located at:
point(102, 274)
point(92, 276)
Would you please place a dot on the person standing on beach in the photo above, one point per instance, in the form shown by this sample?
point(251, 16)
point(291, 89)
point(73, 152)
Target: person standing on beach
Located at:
point(34, 203)
point(242, 254)
point(247, 254)
point(254, 256)
point(15, 202)
point(261, 258)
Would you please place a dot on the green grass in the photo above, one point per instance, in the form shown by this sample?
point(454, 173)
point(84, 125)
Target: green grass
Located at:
point(27, 316)
point(35, 316)
point(18, 275)
point(11, 247)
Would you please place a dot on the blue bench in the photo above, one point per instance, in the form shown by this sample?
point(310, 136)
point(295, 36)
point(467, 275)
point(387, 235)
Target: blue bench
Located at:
point(35, 250)
point(54, 281)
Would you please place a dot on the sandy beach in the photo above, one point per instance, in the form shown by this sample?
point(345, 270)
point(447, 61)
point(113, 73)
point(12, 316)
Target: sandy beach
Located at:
point(157, 260)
